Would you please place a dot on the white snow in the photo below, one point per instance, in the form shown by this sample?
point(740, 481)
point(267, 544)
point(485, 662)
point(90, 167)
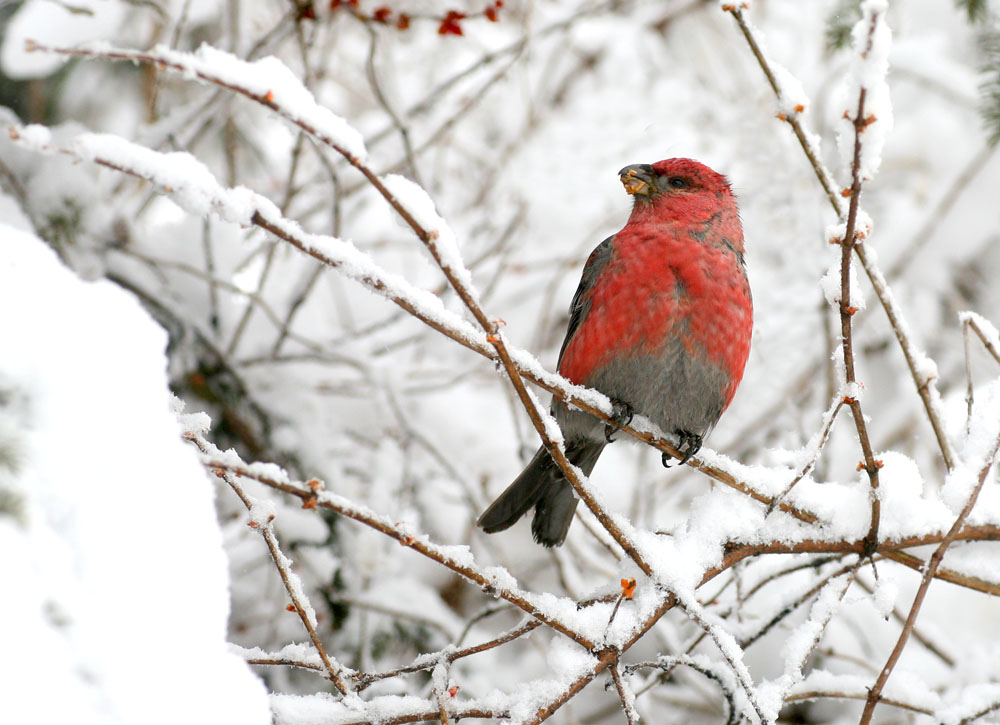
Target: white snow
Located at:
point(872, 41)
point(793, 98)
point(63, 24)
point(116, 578)
point(801, 643)
point(906, 511)
point(409, 431)
point(985, 326)
point(968, 702)
point(831, 285)
point(978, 451)
point(269, 78)
point(420, 206)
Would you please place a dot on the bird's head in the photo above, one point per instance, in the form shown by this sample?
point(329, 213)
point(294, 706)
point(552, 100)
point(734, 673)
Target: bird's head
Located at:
point(677, 184)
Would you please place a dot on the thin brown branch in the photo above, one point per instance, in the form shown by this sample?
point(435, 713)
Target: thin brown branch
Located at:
point(626, 696)
point(791, 607)
point(431, 715)
point(924, 384)
point(916, 360)
point(918, 600)
point(284, 662)
point(425, 662)
point(428, 237)
point(892, 550)
point(820, 694)
point(668, 664)
point(792, 119)
point(403, 297)
point(441, 693)
point(831, 417)
point(972, 321)
point(323, 499)
point(898, 615)
point(303, 609)
point(988, 343)
point(847, 309)
point(993, 707)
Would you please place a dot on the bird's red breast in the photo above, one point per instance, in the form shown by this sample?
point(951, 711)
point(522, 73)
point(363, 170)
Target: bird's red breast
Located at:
point(675, 271)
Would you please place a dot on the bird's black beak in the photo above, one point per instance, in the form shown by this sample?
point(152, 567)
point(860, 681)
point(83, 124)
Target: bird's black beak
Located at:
point(638, 179)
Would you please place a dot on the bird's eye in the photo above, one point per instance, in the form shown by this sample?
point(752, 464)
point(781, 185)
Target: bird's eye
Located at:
point(678, 182)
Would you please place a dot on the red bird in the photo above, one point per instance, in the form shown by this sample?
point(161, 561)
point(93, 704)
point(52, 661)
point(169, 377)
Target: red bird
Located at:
point(660, 323)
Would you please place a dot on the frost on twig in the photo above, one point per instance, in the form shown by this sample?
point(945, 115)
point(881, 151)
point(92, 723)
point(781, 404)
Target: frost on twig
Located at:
point(409, 432)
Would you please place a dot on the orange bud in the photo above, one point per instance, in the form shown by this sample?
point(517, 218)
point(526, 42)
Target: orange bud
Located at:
point(628, 588)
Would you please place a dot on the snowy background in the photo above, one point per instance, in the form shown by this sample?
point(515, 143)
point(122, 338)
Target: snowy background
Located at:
point(129, 563)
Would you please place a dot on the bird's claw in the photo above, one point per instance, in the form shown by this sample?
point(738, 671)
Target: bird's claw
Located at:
point(690, 444)
point(621, 414)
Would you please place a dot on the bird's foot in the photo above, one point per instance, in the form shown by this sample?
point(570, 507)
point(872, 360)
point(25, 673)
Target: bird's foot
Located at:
point(621, 414)
point(690, 444)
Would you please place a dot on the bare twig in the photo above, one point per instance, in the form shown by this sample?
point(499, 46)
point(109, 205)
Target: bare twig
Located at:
point(833, 694)
point(991, 341)
point(914, 358)
point(441, 554)
point(669, 664)
point(413, 302)
point(992, 707)
point(918, 600)
point(336, 672)
point(900, 617)
point(440, 679)
point(829, 418)
point(847, 310)
point(626, 695)
point(426, 662)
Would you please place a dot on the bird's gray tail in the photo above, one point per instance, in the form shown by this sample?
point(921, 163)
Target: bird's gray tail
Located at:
point(542, 485)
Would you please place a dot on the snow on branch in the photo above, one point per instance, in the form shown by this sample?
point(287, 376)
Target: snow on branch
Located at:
point(866, 81)
point(979, 456)
point(261, 520)
point(192, 186)
point(267, 81)
point(459, 559)
point(872, 39)
point(985, 331)
point(411, 202)
point(804, 641)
